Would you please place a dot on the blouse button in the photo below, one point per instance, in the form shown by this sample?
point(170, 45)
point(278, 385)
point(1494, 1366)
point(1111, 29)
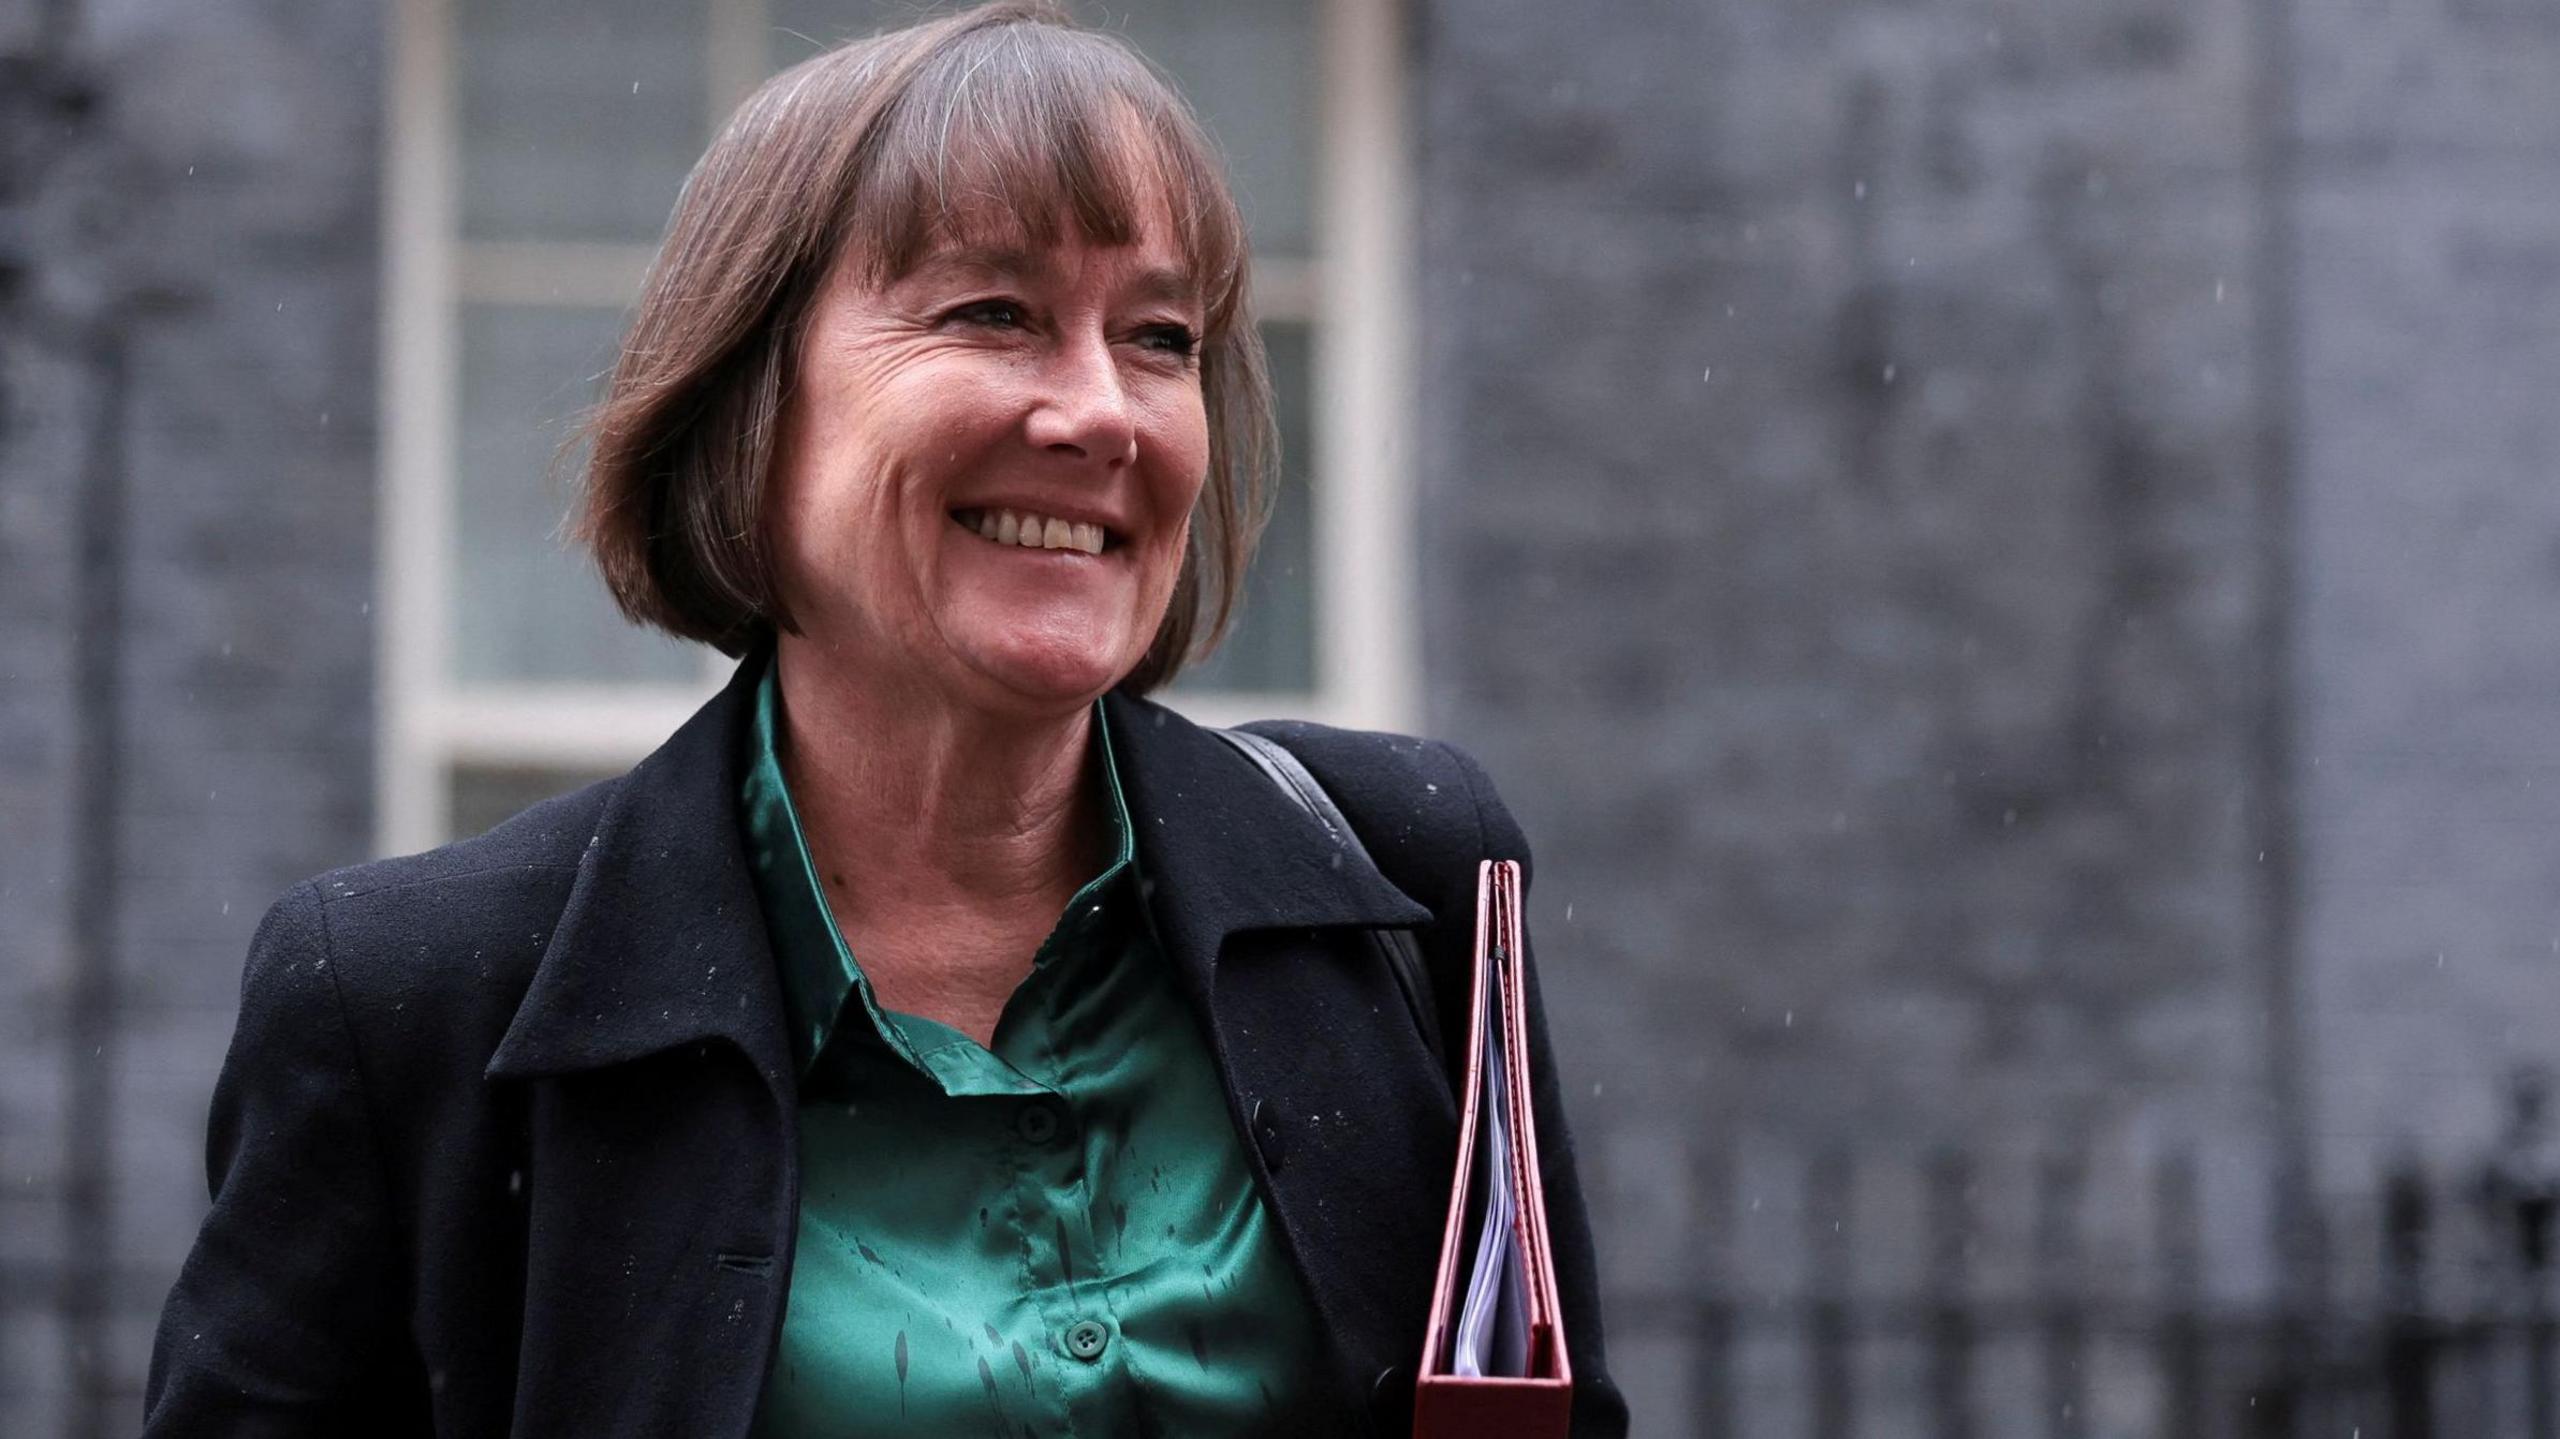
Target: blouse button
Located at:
point(1036, 1123)
point(1087, 1338)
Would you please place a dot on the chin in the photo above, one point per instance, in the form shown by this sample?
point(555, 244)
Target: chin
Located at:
point(1052, 673)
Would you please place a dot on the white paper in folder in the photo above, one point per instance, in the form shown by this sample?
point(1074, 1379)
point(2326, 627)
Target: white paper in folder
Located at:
point(1493, 1325)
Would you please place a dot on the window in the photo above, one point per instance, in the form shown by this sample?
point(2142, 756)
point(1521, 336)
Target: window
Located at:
point(536, 148)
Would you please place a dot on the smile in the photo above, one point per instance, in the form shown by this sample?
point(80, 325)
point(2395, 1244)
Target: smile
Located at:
point(1024, 530)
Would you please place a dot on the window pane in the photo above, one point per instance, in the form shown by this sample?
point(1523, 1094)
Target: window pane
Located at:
point(1248, 67)
point(577, 121)
point(1272, 646)
point(524, 607)
point(483, 795)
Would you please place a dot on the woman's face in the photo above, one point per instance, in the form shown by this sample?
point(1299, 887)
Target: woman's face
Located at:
point(1052, 393)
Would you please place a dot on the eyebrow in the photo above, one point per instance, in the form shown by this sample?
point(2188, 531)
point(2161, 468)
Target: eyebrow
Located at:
point(1162, 283)
point(1167, 284)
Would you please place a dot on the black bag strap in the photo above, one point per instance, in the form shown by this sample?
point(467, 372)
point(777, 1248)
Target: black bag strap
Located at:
point(1396, 947)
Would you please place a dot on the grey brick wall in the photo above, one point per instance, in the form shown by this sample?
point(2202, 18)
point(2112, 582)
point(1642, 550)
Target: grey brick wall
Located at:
point(189, 262)
point(1841, 522)
point(1884, 472)
point(2430, 531)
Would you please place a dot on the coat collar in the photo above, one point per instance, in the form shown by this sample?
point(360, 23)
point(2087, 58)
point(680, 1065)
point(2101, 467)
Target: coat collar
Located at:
point(1225, 851)
point(663, 944)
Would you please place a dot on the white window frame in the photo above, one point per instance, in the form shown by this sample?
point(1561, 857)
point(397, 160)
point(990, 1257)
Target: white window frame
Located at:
point(1355, 301)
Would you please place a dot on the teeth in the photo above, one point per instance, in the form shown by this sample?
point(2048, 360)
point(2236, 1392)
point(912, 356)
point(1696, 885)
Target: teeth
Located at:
point(1037, 532)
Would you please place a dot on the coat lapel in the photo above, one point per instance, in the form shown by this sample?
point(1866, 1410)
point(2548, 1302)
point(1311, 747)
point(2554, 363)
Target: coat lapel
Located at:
point(1345, 1115)
point(662, 943)
point(1225, 852)
point(661, 1175)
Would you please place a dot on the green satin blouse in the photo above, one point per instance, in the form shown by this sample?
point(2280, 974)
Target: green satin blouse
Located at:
point(1056, 1235)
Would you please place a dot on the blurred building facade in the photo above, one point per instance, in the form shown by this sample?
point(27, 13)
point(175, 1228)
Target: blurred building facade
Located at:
point(2005, 557)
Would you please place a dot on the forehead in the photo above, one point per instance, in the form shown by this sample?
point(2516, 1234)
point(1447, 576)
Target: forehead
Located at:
point(1149, 263)
point(1029, 176)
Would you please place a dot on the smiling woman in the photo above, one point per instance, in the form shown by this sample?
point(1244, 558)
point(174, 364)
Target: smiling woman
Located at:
point(918, 1041)
point(890, 180)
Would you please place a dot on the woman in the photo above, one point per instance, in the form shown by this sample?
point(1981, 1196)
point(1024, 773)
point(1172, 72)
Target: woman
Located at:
point(934, 1036)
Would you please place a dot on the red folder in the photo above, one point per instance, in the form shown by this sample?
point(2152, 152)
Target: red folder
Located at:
point(1493, 1357)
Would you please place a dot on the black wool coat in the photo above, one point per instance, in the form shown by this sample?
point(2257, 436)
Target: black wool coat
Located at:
point(504, 1144)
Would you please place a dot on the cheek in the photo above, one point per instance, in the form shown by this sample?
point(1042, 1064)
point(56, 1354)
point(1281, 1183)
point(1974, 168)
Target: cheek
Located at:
point(1182, 440)
point(834, 530)
point(857, 481)
point(795, 499)
point(822, 500)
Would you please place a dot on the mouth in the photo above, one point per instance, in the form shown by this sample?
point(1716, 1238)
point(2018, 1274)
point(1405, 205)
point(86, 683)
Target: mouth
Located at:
point(1025, 530)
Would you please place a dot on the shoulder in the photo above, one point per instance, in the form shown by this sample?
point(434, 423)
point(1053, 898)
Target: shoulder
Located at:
point(1425, 808)
point(522, 862)
point(469, 918)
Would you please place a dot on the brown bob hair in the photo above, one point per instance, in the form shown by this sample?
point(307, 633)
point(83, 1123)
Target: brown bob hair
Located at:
point(873, 154)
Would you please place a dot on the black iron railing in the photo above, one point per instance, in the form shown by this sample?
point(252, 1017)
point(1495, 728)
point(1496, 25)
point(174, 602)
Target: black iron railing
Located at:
point(2422, 1306)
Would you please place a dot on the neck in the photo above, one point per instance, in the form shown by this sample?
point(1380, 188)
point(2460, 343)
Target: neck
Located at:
point(937, 803)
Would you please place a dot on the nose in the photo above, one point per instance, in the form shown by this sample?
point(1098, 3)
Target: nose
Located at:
point(1084, 408)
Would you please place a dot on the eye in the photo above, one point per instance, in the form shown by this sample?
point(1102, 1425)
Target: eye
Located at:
point(1169, 339)
point(995, 314)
